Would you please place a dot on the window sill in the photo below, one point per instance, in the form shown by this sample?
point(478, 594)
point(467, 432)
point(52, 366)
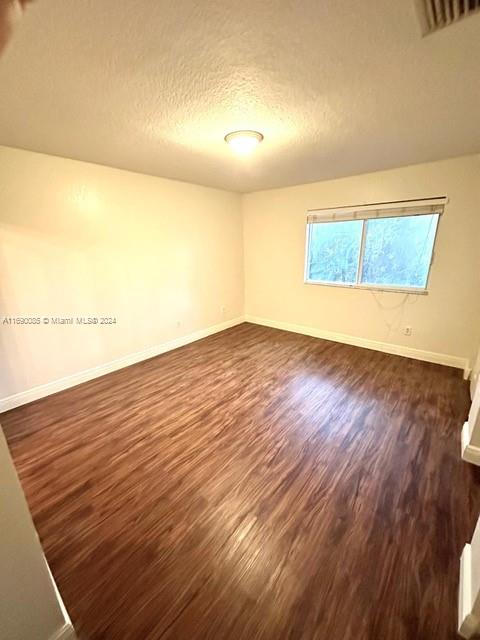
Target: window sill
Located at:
point(370, 287)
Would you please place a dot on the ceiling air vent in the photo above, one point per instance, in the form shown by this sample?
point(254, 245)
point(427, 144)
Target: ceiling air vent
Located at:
point(436, 14)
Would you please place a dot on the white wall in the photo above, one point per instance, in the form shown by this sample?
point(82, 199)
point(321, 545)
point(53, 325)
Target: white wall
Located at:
point(29, 607)
point(78, 239)
point(444, 322)
point(475, 373)
point(469, 588)
point(165, 257)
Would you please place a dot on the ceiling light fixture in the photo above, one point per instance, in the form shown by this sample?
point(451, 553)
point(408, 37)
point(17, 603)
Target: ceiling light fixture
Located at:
point(243, 141)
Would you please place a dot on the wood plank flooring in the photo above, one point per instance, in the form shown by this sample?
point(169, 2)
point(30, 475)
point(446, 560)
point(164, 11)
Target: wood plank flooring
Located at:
point(254, 485)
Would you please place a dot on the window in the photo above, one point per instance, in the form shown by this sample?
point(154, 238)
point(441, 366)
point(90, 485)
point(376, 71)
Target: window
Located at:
point(386, 246)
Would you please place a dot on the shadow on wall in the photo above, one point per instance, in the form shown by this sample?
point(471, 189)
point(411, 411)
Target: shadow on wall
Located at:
point(11, 354)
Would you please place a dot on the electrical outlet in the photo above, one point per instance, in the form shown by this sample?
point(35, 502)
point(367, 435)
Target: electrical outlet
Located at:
point(407, 331)
point(223, 310)
point(179, 323)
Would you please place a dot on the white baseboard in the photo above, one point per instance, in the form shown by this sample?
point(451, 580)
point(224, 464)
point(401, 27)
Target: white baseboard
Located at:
point(24, 397)
point(470, 453)
point(386, 347)
point(468, 623)
point(67, 632)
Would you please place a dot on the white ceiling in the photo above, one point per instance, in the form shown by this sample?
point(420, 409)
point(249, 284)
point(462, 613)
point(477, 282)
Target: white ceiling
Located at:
point(337, 88)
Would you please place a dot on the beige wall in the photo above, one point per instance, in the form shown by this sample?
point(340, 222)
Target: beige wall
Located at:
point(78, 239)
point(165, 258)
point(445, 321)
point(29, 608)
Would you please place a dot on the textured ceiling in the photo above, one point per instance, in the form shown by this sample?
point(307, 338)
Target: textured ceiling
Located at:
point(337, 88)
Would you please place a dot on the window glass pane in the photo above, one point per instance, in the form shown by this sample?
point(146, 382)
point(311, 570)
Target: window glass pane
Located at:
point(334, 250)
point(398, 251)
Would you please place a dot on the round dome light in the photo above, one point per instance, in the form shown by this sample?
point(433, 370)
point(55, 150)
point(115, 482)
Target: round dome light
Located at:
point(243, 141)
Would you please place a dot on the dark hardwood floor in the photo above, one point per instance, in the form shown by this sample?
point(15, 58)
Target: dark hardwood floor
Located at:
point(254, 485)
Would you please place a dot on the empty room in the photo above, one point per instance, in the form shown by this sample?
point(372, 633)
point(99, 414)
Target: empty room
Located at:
point(239, 320)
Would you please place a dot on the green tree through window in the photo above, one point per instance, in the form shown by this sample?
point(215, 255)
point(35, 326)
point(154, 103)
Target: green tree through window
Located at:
point(393, 252)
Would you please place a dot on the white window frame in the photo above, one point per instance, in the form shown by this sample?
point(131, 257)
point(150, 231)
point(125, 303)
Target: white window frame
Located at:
point(365, 213)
